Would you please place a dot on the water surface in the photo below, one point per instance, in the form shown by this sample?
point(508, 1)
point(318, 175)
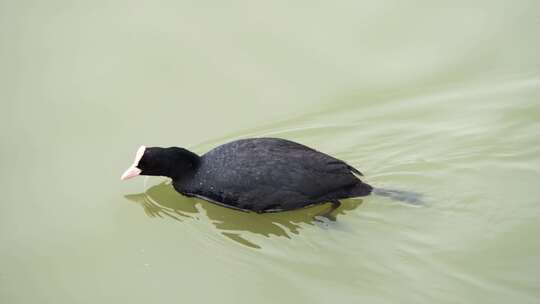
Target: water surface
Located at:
point(439, 99)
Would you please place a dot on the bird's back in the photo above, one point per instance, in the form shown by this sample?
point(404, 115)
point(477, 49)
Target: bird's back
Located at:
point(270, 174)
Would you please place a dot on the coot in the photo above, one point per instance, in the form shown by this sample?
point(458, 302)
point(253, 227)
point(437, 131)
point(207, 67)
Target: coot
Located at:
point(256, 174)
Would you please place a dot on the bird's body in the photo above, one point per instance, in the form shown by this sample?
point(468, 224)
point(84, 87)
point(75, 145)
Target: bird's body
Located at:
point(270, 174)
point(262, 175)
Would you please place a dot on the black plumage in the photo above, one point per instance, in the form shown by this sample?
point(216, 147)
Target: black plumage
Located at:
point(257, 174)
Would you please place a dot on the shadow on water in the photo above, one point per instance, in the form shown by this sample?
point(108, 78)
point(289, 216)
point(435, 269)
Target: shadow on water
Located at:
point(164, 202)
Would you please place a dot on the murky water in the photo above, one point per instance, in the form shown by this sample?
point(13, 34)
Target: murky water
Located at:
point(439, 99)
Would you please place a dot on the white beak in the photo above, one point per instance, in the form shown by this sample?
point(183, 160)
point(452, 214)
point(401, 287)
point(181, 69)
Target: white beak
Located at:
point(133, 170)
point(130, 173)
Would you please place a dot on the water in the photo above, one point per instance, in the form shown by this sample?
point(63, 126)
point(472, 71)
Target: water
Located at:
point(439, 99)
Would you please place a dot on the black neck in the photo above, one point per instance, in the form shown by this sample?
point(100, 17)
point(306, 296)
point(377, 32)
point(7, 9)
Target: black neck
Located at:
point(184, 163)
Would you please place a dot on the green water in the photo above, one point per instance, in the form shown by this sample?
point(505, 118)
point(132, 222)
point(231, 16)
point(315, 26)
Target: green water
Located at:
point(438, 98)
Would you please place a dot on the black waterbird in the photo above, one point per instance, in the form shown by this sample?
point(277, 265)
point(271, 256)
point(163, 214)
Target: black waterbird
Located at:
point(256, 174)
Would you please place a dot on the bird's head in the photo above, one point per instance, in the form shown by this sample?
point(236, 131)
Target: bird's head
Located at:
point(172, 162)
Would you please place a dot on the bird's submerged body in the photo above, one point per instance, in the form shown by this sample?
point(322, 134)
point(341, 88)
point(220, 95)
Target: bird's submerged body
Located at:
point(267, 175)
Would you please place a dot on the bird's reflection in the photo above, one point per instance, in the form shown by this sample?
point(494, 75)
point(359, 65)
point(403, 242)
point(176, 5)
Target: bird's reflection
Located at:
point(163, 201)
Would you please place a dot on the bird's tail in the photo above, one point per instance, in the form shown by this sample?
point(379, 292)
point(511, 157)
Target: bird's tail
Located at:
point(408, 197)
